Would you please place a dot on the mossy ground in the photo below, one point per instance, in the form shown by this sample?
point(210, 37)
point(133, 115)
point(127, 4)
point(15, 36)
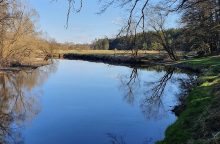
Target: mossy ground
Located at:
point(199, 123)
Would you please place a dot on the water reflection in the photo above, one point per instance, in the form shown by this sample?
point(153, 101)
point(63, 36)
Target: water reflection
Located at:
point(119, 139)
point(130, 84)
point(19, 101)
point(152, 104)
point(153, 96)
point(115, 139)
point(151, 93)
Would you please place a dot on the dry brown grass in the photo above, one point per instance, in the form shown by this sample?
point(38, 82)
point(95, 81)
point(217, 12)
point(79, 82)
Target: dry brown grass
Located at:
point(105, 52)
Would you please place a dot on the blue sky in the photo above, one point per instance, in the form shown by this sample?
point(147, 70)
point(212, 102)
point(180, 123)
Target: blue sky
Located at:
point(83, 27)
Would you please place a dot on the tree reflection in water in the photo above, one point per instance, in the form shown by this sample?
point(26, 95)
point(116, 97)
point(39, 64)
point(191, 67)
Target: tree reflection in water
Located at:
point(118, 139)
point(151, 102)
point(19, 100)
point(115, 139)
point(152, 94)
point(130, 85)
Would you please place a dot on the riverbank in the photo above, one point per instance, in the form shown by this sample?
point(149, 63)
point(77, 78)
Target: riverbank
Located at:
point(144, 58)
point(199, 123)
point(17, 66)
point(127, 60)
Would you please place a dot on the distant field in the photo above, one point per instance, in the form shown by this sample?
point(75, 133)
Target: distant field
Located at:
point(60, 53)
point(108, 52)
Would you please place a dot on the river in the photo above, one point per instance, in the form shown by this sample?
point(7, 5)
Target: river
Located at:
point(79, 102)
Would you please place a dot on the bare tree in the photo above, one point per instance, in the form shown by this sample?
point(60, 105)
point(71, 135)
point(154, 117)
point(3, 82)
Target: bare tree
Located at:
point(19, 39)
point(157, 20)
point(15, 26)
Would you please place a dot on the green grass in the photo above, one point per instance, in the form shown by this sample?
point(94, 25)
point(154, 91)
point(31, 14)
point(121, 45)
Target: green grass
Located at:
point(186, 125)
point(198, 123)
point(204, 63)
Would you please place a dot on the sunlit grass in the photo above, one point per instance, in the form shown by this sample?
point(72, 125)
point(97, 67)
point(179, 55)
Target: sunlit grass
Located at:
point(208, 61)
point(196, 122)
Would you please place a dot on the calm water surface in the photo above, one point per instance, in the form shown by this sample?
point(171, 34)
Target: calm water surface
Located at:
point(78, 102)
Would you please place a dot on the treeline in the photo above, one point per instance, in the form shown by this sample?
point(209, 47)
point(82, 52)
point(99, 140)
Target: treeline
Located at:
point(144, 41)
point(101, 44)
point(72, 46)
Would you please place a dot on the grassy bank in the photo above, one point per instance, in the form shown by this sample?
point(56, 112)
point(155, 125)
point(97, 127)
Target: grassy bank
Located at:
point(199, 123)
